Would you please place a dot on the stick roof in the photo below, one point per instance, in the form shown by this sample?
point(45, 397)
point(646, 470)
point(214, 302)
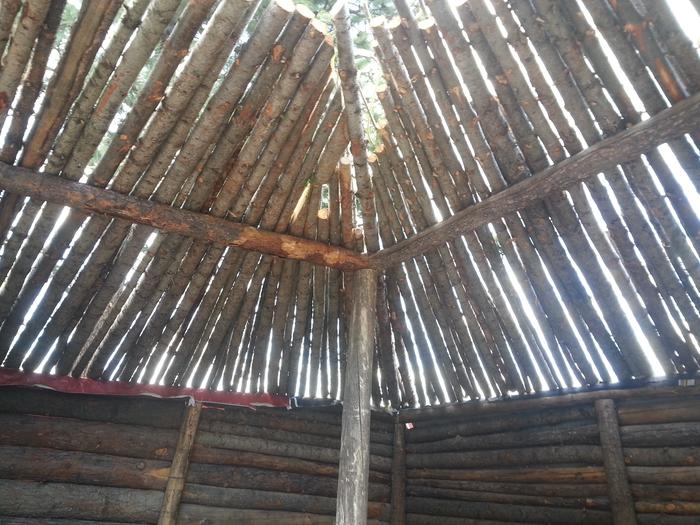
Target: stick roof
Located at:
point(231, 110)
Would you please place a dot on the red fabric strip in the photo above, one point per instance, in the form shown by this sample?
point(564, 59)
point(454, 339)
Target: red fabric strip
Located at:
point(74, 385)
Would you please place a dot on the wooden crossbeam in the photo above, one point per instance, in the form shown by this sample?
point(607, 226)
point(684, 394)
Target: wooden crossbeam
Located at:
point(674, 122)
point(197, 225)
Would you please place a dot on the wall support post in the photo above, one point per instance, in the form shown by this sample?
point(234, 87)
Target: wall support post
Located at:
point(619, 491)
point(178, 468)
point(353, 472)
point(398, 476)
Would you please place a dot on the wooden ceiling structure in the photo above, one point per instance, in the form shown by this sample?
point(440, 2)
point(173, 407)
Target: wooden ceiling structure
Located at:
point(528, 231)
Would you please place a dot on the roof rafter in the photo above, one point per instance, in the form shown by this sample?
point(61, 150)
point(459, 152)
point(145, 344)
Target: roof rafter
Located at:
point(173, 220)
point(674, 122)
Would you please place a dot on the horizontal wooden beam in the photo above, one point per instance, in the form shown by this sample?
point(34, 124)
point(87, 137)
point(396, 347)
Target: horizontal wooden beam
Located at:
point(173, 220)
point(553, 399)
point(628, 145)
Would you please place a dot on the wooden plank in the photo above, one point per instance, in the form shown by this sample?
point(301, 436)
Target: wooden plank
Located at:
point(628, 145)
point(199, 226)
point(351, 505)
point(615, 470)
point(178, 468)
point(398, 476)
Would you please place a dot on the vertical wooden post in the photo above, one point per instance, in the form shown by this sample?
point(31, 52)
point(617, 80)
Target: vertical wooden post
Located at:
point(398, 476)
point(178, 468)
point(353, 472)
point(615, 471)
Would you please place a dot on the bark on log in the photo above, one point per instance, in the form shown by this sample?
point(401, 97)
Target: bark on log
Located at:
point(146, 411)
point(318, 425)
point(41, 464)
point(195, 225)
point(665, 492)
point(297, 437)
point(70, 434)
point(554, 454)
point(398, 477)
point(567, 490)
point(86, 502)
point(63, 500)
point(676, 507)
point(581, 501)
point(241, 477)
point(358, 145)
point(584, 454)
point(469, 426)
point(144, 442)
point(615, 471)
point(291, 449)
point(666, 391)
point(557, 475)
point(424, 519)
point(655, 411)
point(197, 514)
point(354, 445)
point(631, 412)
point(504, 512)
point(178, 467)
point(574, 433)
point(269, 500)
point(19, 52)
point(323, 421)
point(645, 519)
point(641, 491)
point(266, 461)
point(667, 475)
point(10, 520)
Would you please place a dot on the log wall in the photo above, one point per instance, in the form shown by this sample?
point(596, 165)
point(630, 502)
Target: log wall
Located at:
point(546, 464)
point(89, 459)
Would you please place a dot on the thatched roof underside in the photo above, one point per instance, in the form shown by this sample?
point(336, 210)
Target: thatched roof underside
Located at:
point(233, 109)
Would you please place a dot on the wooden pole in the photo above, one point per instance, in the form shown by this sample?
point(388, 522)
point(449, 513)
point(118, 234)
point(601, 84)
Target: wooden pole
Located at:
point(626, 146)
point(615, 471)
point(178, 468)
point(200, 226)
point(347, 71)
point(398, 476)
point(351, 505)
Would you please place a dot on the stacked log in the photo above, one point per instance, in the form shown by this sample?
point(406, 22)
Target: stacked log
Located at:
point(66, 455)
point(546, 465)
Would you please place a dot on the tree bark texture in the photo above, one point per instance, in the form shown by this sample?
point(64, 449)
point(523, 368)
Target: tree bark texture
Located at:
point(179, 465)
point(614, 461)
point(196, 225)
point(354, 445)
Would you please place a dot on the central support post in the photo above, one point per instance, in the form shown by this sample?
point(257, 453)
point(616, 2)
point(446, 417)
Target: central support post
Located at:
point(353, 472)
